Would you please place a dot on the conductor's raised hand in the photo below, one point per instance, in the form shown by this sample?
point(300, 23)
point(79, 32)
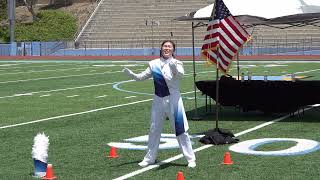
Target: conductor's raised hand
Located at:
point(127, 71)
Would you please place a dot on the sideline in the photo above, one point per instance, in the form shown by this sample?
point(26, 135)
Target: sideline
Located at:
point(134, 173)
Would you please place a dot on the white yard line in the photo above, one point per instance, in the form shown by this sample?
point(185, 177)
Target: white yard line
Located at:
point(45, 95)
point(46, 70)
point(73, 114)
point(134, 173)
point(57, 77)
point(72, 96)
point(79, 113)
point(128, 97)
point(307, 71)
point(56, 90)
point(31, 66)
point(102, 96)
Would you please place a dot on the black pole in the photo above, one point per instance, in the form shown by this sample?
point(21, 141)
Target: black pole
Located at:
point(196, 116)
point(217, 94)
point(238, 68)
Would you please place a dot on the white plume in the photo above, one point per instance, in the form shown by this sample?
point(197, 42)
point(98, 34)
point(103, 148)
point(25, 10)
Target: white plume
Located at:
point(40, 147)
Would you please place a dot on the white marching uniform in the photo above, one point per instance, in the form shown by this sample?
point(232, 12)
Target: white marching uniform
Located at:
point(167, 102)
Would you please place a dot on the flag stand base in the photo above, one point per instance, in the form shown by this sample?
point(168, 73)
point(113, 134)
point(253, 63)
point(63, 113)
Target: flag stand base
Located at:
point(218, 136)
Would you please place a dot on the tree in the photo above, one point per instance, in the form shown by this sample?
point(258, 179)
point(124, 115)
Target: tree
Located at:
point(29, 4)
point(3, 10)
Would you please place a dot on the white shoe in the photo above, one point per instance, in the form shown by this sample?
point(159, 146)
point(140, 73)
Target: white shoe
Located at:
point(145, 163)
point(192, 164)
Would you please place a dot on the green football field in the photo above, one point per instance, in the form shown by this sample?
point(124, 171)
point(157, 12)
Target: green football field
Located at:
point(85, 105)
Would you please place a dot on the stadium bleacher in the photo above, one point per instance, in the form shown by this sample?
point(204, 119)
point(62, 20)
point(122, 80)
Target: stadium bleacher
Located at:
point(140, 23)
point(137, 27)
point(145, 23)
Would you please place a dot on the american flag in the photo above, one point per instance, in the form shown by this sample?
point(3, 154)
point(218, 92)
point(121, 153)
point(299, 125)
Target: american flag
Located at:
point(224, 37)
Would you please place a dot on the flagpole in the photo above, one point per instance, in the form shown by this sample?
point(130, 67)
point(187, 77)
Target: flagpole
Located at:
point(238, 67)
point(217, 75)
point(217, 92)
point(196, 116)
point(222, 12)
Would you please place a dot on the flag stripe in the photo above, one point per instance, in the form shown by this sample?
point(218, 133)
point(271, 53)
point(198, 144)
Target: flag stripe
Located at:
point(230, 34)
point(243, 32)
point(210, 46)
point(234, 26)
point(223, 38)
point(211, 36)
point(225, 53)
point(227, 43)
point(212, 58)
point(212, 26)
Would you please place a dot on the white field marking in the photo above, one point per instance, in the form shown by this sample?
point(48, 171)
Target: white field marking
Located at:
point(24, 94)
point(73, 114)
point(57, 77)
point(8, 65)
point(56, 90)
point(102, 96)
point(279, 62)
point(46, 70)
point(274, 65)
point(123, 65)
point(32, 66)
point(72, 96)
point(45, 95)
point(307, 71)
point(79, 113)
point(134, 173)
point(132, 65)
point(115, 86)
point(247, 66)
point(104, 65)
point(128, 97)
point(5, 65)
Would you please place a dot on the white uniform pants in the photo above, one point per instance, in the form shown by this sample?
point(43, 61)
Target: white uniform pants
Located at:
point(162, 108)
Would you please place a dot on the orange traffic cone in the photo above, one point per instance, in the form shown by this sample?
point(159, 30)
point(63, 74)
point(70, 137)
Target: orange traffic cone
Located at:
point(113, 152)
point(227, 159)
point(180, 176)
point(49, 173)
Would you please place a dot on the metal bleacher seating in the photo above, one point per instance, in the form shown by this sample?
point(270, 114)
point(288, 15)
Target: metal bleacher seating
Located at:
point(140, 24)
point(146, 23)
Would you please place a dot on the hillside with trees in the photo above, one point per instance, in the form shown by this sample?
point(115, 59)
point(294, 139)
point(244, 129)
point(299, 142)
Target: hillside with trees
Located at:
point(35, 19)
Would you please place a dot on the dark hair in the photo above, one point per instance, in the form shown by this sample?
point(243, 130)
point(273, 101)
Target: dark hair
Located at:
point(173, 44)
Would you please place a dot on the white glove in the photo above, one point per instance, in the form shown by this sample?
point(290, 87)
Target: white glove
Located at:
point(127, 71)
point(173, 66)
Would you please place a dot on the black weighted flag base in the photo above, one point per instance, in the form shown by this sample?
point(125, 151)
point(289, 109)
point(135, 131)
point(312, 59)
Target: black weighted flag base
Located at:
point(218, 136)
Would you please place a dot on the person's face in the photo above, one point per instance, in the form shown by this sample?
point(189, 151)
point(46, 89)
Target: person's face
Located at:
point(167, 50)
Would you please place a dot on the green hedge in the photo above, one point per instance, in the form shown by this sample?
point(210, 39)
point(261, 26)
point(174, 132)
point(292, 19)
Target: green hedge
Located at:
point(52, 25)
point(3, 10)
point(4, 35)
